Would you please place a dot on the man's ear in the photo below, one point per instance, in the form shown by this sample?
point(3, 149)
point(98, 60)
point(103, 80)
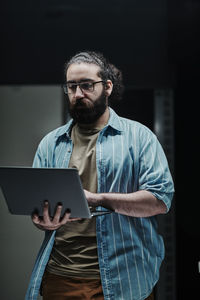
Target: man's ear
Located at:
point(108, 87)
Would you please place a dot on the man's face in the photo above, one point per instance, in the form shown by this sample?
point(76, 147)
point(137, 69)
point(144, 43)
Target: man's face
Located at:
point(85, 105)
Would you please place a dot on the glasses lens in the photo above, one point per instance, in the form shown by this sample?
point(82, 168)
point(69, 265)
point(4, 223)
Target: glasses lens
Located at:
point(87, 86)
point(71, 87)
point(65, 89)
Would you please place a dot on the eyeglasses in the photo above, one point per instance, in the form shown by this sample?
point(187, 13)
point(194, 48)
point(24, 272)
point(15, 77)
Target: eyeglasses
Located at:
point(70, 87)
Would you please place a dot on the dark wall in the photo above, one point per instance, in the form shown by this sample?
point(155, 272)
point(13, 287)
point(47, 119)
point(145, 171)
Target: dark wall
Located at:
point(156, 44)
point(184, 32)
point(38, 36)
point(187, 182)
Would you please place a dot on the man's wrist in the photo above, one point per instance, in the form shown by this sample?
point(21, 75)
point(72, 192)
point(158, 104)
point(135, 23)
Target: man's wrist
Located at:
point(100, 199)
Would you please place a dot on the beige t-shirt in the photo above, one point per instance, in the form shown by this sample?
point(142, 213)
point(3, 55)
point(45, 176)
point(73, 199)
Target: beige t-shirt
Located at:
point(75, 249)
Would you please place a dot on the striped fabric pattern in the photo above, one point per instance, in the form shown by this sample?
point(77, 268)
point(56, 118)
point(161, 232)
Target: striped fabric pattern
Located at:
point(129, 158)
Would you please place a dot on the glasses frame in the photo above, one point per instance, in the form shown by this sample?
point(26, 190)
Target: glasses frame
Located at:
point(65, 88)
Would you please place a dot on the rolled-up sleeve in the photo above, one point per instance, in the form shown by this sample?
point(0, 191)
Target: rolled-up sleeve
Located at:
point(154, 173)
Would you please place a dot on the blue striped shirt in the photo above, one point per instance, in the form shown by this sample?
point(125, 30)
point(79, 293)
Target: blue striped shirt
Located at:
point(130, 250)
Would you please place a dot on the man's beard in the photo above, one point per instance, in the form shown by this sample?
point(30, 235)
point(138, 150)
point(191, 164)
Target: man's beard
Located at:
point(87, 113)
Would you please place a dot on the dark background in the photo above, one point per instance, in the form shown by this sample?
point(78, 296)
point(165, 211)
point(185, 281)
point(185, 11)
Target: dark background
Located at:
point(156, 45)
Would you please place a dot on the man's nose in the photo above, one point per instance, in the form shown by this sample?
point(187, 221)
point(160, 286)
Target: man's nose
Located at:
point(78, 92)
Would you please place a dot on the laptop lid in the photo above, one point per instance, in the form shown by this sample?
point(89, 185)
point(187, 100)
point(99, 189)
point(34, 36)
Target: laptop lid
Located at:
point(25, 189)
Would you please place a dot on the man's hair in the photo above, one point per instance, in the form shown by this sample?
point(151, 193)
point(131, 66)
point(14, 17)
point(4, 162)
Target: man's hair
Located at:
point(107, 71)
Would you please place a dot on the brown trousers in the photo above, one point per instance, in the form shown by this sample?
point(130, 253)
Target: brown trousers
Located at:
point(56, 287)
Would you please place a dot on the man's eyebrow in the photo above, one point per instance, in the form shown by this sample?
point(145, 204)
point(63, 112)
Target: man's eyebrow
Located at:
point(82, 80)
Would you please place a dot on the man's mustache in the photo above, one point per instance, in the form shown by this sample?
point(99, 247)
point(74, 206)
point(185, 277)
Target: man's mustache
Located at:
point(81, 103)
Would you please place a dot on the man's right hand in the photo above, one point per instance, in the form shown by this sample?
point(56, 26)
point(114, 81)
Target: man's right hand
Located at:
point(48, 223)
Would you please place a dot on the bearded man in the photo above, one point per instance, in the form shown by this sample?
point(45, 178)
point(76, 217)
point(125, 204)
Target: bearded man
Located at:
point(123, 168)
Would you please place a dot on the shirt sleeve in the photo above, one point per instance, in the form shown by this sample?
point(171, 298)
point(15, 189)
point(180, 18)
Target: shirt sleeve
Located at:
point(154, 173)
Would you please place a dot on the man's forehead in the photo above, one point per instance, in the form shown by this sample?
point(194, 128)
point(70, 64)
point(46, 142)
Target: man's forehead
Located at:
point(79, 71)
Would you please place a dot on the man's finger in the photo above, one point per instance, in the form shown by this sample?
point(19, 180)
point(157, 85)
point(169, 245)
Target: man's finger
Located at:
point(46, 217)
point(56, 218)
point(35, 219)
point(66, 218)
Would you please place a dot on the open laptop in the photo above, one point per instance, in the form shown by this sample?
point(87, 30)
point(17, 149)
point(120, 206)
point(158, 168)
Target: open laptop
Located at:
point(25, 189)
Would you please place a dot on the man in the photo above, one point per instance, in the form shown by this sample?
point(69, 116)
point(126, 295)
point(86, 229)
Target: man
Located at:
point(122, 168)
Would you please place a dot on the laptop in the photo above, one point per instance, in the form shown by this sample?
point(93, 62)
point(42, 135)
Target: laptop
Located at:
point(25, 189)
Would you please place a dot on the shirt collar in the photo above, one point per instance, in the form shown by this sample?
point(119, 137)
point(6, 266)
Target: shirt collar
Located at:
point(114, 122)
